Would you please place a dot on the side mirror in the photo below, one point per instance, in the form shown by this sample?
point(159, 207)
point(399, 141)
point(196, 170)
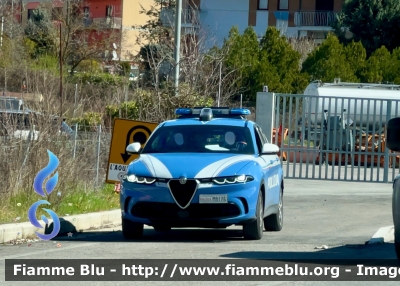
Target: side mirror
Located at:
point(270, 149)
point(133, 148)
point(393, 134)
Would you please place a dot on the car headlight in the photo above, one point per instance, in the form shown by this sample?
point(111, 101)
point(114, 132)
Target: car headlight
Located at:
point(138, 179)
point(233, 179)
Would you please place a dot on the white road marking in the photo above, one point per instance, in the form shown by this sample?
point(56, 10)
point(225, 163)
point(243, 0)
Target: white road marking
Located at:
point(40, 252)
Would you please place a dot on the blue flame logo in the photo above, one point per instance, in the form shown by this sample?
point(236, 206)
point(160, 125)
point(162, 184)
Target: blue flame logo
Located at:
point(50, 186)
point(45, 172)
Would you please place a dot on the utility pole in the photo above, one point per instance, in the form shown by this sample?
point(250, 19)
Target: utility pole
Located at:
point(178, 17)
point(219, 84)
point(12, 11)
point(1, 46)
point(61, 81)
point(2, 29)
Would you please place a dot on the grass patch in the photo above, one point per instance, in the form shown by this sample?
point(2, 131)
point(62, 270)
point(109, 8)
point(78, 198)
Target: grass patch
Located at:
point(70, 202)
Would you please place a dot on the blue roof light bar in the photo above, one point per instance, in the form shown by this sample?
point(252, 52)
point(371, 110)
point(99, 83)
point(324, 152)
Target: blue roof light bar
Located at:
point(222, 111)
point(183, 111)
point(215, 110)
point(240, 111)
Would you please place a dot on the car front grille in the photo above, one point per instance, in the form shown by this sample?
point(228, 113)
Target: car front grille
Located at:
point(182, 193)
point(168, 211)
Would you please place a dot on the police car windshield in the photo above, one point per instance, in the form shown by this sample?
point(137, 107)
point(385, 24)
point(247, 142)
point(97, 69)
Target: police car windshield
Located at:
point(200, 139)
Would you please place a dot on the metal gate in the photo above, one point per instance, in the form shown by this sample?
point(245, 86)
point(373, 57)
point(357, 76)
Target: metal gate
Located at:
point(335, 138)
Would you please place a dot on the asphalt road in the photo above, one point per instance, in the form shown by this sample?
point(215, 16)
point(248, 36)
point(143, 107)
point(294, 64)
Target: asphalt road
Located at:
point(339, 215)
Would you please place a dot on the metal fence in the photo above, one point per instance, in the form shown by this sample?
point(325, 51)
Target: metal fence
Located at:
point(325, 18)
point(101, 139)
point(335, 138)
point(88, 146)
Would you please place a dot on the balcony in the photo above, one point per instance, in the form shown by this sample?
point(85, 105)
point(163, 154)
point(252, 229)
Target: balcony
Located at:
point(103, 23)
point(190, 18)
point(317, 19)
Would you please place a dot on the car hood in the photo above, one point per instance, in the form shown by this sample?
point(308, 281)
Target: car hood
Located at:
point(188, 165)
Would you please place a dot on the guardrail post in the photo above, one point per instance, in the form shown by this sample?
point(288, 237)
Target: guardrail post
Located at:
point(265, 113)
point(386, 158)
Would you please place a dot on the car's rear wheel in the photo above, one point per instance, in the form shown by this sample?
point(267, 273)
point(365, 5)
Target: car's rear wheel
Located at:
point(162, 228)
point(254, 230)
point(131, 230)
point(274, 222)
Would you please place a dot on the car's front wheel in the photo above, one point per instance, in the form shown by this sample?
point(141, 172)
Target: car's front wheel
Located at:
point(397, 246)
point(396, 215)
point(131, 230)
point(274, 222)
point(254, 230)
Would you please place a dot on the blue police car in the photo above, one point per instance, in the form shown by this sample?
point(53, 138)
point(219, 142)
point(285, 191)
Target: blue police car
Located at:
point(209, 168)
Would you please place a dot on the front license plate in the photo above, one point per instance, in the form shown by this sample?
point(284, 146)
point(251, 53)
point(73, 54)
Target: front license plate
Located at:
point(213, 199)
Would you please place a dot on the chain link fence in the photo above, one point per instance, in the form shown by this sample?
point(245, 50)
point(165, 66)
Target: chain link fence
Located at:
point(83, 157)
point(96, 142)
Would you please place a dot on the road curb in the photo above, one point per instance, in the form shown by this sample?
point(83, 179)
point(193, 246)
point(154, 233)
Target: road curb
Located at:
point(73, 223)
point(384, 234)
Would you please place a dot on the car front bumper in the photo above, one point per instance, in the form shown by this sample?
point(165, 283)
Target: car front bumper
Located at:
point(154, 204)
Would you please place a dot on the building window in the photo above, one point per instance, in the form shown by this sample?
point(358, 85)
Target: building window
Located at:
point(109, 10)
point(283, 5)
point(86, 12)
point(31, 13)
point(262, 4)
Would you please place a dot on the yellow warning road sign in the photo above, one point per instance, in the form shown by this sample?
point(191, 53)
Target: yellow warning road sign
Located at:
point(125, 132)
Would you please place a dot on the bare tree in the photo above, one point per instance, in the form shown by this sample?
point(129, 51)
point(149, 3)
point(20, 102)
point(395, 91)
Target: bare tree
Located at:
point(81, 36)
point(303, 45)
point(202, 71)
point(10, 38)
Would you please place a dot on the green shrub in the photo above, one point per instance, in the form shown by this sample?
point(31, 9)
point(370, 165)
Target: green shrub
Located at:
point(129, 110)
point(126, 68)
point(45, 62)
point(100, 79)
point(88, 121)
point(89, 66)
point(112, 111)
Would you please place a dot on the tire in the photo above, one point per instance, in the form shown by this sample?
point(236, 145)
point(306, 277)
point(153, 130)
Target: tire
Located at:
point(397, 248)
point(254, 230)
point(274, 222)
point(132, 230)
point(162, 228)
point(396, 215)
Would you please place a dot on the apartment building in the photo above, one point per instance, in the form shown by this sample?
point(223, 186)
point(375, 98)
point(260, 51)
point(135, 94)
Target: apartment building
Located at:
point(308, 18)
point(112, 15)
point(213, 19)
